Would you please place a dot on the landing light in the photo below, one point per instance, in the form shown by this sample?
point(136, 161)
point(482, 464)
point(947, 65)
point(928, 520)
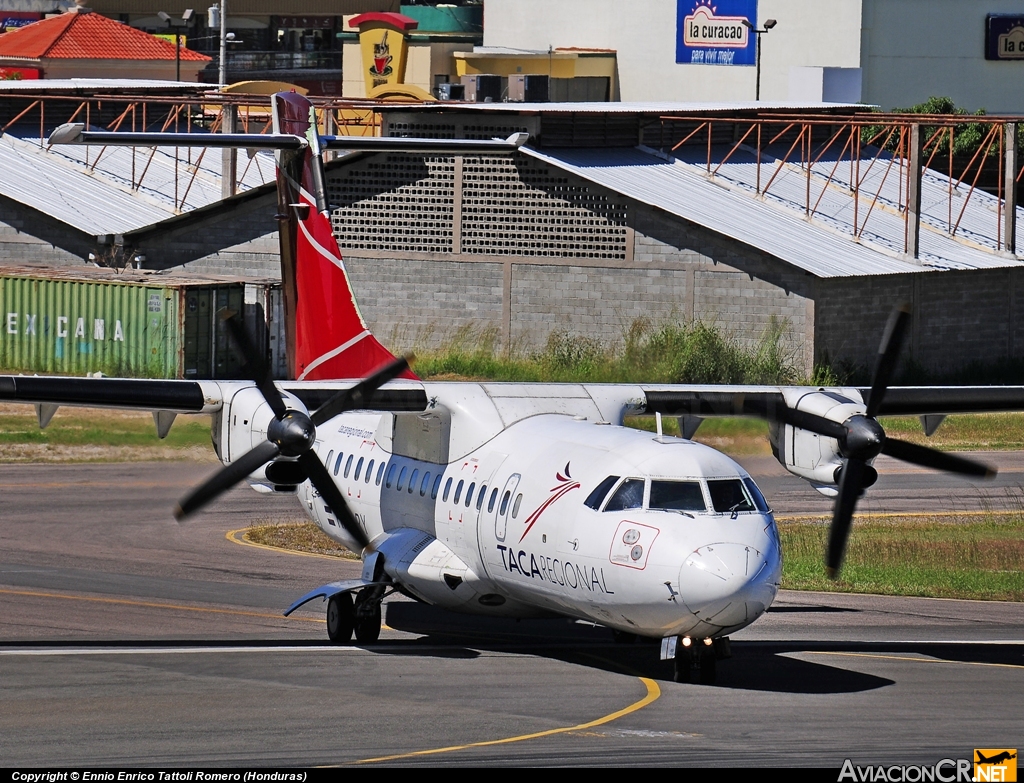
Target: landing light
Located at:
point(687, 641)
point(708, 642)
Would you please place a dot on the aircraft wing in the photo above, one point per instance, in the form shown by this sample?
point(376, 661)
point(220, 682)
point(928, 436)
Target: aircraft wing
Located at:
point(185, 396)
point(669, 400)
point(160, 395)
point(678, 400)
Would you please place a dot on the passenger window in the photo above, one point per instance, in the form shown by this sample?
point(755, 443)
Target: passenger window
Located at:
point(480, 497)
point(369, 471)
point(504, 502)
point(391, 477)
point(469, 494)
point(447, 489)
point(380, 473)
point(330, 456)
point(458, 491)
point(412, 480)
point(425, 484)
point(677, 496)
point(490, 503)
point(729, 496)
point(348, 465)
point(337, 465)
point(515, 506)
point(359, 468)
point(600, 491)
point(401, 478)
point(437, 483)
point(630, 494)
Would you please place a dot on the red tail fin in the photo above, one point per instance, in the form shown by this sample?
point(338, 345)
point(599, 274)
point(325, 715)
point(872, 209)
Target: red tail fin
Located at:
point(327, 336)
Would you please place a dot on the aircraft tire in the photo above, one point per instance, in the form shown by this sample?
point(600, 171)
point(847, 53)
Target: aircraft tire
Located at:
point(367, 620)
point(683, 665)
point(340, 618)
point(708, 668)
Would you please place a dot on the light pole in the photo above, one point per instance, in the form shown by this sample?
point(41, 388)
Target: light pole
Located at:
point(186, 18)
point(768, 25)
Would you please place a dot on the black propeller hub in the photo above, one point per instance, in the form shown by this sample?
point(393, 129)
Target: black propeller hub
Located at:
point(293, 433)
point(864, 438)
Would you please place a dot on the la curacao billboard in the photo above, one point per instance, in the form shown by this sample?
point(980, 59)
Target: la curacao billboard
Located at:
point(710, 32)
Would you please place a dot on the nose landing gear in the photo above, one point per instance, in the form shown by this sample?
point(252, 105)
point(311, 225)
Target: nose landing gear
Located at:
point(695, 660)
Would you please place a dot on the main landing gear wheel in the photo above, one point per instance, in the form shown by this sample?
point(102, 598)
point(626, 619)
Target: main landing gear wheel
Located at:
point(340, 618)
point(367, 616)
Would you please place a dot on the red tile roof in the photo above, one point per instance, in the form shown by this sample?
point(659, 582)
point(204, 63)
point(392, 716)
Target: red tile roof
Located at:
point(88, 36)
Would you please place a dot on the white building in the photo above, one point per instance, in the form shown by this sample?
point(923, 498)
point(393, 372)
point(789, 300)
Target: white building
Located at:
point(890, 52)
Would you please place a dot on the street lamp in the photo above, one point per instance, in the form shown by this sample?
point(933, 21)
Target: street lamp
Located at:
point(768, 25)
point(186, 18)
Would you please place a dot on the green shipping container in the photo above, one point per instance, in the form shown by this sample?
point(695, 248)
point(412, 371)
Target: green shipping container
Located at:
point(132, 324)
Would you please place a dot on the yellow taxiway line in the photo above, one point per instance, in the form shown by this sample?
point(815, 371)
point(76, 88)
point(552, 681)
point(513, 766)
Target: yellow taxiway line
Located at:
point(653, 693)
point(238, 537)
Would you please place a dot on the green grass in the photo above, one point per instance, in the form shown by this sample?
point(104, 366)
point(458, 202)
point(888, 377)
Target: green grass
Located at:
point(91, 427)
point(669, 353)
point(955, 556)
point(975, 432)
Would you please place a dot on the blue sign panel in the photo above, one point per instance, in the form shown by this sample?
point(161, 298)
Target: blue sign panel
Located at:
point(1004, 37)
point(712, 32)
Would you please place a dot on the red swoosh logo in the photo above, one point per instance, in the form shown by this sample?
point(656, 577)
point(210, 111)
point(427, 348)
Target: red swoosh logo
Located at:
point(532, 519)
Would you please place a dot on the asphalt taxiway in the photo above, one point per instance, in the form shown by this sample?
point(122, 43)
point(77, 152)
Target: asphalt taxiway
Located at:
point(129, 639)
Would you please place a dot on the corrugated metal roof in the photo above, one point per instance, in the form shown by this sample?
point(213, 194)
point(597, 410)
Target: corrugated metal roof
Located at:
point(620, 107)
point(775, 224)
point(42, 86)
point(101, 201)
point(93, 274)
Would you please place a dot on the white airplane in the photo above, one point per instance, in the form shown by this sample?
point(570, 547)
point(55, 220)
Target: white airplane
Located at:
point(508, 499)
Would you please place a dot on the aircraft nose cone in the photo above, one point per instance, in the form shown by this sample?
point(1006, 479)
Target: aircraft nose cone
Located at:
point(728, 584)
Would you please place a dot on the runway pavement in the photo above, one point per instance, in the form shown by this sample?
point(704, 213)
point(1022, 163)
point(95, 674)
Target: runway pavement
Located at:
point(129, 639)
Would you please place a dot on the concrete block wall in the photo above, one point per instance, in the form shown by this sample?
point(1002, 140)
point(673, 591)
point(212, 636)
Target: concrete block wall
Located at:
point(959, 317)
point(737, 288)
point(410, 303)
point(597, 302)
point(18, 247)
point(259, 257)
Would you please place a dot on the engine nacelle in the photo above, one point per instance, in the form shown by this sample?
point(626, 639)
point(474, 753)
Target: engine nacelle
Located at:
point(808, 455)
point(244, 420)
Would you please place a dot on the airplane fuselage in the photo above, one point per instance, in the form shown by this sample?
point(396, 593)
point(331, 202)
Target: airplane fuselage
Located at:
point(559, 514)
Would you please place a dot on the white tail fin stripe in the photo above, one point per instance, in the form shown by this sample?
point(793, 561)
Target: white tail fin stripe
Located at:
point(332, 353)
point(320, 248)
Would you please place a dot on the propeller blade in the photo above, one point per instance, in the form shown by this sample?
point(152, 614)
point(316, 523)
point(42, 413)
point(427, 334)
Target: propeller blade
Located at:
point(850, 484)
point(888, 355)
point(321, 479)
point(932, 458)
point(256, 367)
point(350, 399)
point(226, 478)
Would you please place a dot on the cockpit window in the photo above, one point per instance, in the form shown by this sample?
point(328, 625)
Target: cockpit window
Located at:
point(755, 493)
point(729, 496)
point(630, 494)
point(677, 496)
point(594, 498)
